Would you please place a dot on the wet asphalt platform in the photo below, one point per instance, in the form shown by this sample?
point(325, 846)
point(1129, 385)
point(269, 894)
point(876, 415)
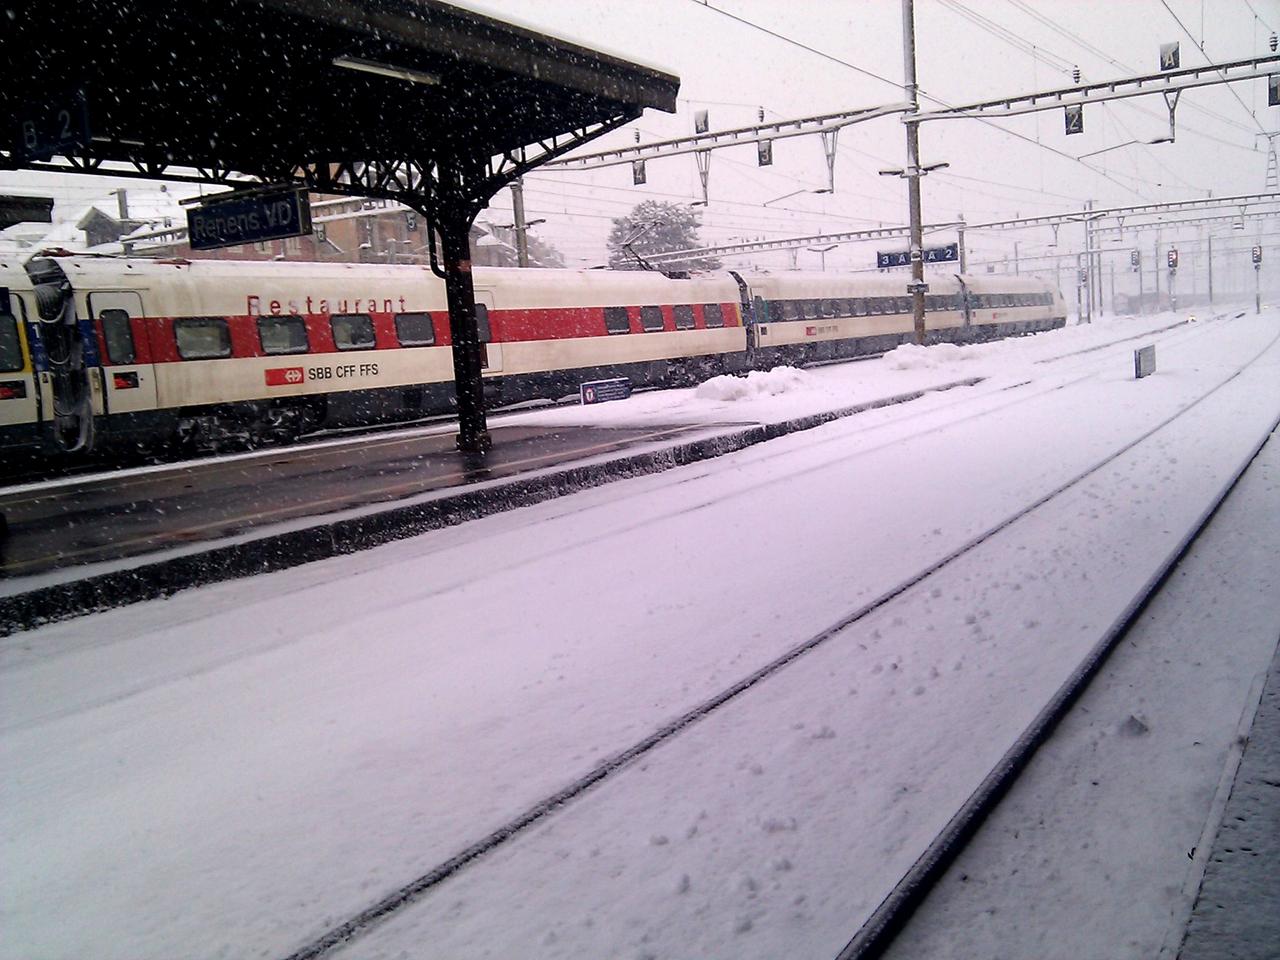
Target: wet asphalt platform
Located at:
point(1237, 913)
point(112, 516)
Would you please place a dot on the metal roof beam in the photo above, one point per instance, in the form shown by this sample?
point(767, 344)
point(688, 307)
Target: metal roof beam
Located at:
point(791, 243)
point(1140, 86)
point(1137, 209)
point(778, 130)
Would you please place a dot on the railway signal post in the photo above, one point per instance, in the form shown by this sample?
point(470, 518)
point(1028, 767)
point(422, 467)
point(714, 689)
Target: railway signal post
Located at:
point(1257, 278)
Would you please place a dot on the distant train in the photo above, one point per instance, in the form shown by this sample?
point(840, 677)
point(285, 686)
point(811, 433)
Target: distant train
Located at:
point(100, 352)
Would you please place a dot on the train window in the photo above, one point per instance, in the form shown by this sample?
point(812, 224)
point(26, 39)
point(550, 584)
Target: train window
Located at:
point(282, 335)
point(118, 335)
point(616, 320)
point(684, 316)
point(905, 305)
point(712, 315)
point(790, 310)
point(859, 307)
point(482, 323)
point(812, 309)
point(651, 319)
point(202, 338)
point(829, 308)
point(10, 345)
point(415, 329)
point(352, 331)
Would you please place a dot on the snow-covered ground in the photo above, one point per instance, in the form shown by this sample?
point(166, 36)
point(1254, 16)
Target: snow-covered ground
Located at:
point(234, 771)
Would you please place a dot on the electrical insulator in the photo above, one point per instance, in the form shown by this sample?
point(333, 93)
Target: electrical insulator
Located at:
point(760, 110)
point(1273, 43)
point(1075, 74)
point(637, 136)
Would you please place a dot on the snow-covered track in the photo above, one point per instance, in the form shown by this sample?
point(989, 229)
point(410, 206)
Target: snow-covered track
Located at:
point(877, 932)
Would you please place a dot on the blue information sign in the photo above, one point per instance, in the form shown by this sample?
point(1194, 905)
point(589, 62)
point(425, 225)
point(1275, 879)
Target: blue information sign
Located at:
point(249, 219)
point(902, 258)
point(602, 391)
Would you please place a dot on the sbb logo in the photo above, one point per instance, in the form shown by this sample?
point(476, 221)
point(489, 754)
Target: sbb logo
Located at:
point(284, 376)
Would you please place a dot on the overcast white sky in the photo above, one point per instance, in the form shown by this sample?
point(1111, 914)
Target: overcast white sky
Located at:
point(732, 68)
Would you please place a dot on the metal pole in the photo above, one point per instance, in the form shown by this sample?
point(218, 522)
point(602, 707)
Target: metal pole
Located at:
point(1257, 288)
point(521, 227)
point(1113, 286)
point(1088, 260)
point(1016, 271)
point(473, 433)
point(964, 257)
point(913, 167)
point(1079, 285)
point(1142, 307)
point(1155, 269)
point(1096, 272)
point(1210, 241)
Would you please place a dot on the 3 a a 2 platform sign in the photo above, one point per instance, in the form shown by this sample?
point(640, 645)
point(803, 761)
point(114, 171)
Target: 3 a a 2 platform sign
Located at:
point(249, 219)
point(902, 258)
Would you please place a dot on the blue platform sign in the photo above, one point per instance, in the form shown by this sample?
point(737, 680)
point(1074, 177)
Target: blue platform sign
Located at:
point(249, 219)
point(902, 258)
point(602, 391)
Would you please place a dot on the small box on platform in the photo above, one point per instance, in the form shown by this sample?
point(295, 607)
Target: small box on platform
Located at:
point(1144, 361)
point(602, 391)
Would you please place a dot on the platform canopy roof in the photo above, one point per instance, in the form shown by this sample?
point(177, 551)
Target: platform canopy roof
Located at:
point(383, 98)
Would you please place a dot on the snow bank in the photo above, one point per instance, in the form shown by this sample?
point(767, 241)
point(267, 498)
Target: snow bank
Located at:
point(757, 383)
point(909, 356)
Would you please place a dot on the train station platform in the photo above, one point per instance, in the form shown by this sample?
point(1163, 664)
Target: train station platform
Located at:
point(81, 522)
point(1237, 912)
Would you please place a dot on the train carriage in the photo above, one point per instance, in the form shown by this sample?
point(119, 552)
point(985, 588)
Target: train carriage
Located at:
point(108, 351)
point(210, 350)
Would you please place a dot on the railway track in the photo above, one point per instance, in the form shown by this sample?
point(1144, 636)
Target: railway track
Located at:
point(875, 934)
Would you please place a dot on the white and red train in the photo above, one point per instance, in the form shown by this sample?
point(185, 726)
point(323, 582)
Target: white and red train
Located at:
point(106, 351)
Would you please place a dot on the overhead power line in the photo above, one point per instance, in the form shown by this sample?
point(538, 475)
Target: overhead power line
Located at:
point(920, 90)
point(1200, 46)
point(1258, 16)
point(1107, 58)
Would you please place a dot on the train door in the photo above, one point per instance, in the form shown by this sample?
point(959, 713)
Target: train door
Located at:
point(19, 398)
point(490, 349)
point(71, 383)
point(128, 375)
point(966, 306)
point(754, 311)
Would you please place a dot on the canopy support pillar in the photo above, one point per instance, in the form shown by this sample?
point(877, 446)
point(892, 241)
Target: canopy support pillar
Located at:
point(454, 226)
